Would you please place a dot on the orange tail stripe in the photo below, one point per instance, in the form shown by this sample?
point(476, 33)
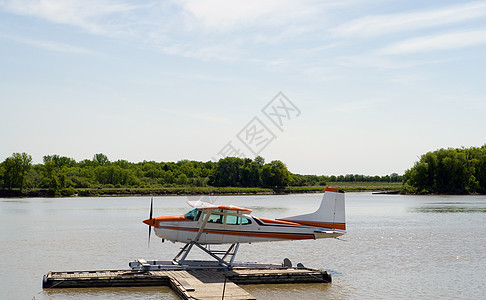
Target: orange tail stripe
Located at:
point(330, 189)
point(341, 226)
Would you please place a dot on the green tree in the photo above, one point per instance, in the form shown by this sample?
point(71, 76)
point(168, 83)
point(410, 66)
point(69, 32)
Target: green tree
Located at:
point(16, 168)
point(51, 180)
point(182, 179)
point(101, 159)
point(114, 175)
point(33, 177)
point(227, 172)
point(254, 173)
point(479, 156)
point(450, 170)
point(417, 177)
point(169, 177)
point(60, 161)
point(2, 172)
point(275, 174)
point(259, 160)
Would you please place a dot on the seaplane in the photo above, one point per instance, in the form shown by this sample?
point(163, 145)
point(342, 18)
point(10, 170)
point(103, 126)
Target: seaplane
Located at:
point(208, 224)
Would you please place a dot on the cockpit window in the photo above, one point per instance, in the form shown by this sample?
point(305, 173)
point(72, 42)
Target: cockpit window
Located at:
point(216, 218)
point(245, 221)
point(193, 214)
point(232, 220)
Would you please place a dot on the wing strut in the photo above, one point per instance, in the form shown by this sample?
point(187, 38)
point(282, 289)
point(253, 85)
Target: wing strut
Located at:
point(203, 225)
point(232, 250)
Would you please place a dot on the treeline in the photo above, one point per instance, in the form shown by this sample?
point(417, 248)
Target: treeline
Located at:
point(64, 175)
point(449, 171)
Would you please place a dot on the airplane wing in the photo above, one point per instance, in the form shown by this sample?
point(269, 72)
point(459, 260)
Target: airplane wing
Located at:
point(236, 208)
point(206, 205)
point(201, 204)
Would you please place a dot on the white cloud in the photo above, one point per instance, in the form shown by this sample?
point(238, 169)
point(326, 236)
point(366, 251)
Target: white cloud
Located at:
point(381, 62)
point(188, 28)
point(360, 105)
point(88, 15)
point(408, 78)
point(229, 51)
point(445, 41)
point(385, 24)
point(206, 117)
point(226, 15)
point(277, 33)
point(57, 47)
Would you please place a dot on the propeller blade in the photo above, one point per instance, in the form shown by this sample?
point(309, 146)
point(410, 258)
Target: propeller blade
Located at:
point(151, 207)
point(150, 217)
point(150, 232)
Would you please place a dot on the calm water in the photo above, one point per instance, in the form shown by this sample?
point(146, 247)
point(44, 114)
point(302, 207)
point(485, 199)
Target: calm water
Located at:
point(396, 246)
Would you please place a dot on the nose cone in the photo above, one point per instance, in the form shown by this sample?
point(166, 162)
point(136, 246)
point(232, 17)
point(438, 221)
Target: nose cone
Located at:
point(155, 222)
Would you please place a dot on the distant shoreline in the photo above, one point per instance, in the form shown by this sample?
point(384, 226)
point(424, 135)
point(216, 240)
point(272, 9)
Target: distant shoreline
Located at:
point(194, 191)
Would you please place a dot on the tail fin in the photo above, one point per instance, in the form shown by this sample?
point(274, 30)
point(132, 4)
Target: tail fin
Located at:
point(330, 214)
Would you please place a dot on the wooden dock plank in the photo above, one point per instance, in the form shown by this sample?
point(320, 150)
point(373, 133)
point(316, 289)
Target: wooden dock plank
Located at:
point(204, 284)
point(209, 285)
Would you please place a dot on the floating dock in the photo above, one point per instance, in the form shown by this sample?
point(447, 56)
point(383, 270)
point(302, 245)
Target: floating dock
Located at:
point(189, 282)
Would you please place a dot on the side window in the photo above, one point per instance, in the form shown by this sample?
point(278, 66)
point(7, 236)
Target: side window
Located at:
point(232, 220)
point(214, 218)
point(193, 214)
point(245, 221)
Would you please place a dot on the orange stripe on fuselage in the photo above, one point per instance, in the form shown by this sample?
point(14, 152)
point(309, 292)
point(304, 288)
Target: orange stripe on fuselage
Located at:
point(278, 222)
point(287, 236)
point(342, 226)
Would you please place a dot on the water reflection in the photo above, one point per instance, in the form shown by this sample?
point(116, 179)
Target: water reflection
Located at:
point(334, 273)
point(291, 291)
point(14, 201)
point(452, 206)
point(160, 292)
point(449, 209)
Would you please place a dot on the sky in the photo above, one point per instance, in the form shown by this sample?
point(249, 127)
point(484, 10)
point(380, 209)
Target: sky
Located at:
point(327, 87)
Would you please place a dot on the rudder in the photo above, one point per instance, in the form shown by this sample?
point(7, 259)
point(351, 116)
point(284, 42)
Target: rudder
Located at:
point(330, 214)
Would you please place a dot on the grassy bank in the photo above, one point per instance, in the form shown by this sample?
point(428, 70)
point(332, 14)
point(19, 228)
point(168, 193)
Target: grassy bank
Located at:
point(366, 186)
point(163, 191)
point(167, 191)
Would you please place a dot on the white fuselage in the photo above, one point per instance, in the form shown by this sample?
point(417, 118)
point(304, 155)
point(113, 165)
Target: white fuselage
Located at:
point(249, 229)
point(226, 224)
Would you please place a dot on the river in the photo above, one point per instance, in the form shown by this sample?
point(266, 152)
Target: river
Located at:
point(396, 247)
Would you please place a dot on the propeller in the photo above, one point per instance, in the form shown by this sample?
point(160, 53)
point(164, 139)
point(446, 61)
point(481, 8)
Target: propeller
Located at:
point(150, 217)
